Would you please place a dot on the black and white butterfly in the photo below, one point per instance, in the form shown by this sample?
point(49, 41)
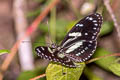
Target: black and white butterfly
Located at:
point(78, 45)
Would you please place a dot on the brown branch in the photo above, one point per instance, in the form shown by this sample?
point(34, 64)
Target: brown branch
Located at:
point(108, 7)
point(29, 31)
point(101, 57)
point(115, 5)
point(40, 76)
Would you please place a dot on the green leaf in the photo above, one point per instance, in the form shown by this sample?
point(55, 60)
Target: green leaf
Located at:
point(39, 1)
point(69, 27)
point(104, 62)
point(115, 68)
point(61, 25)
point(55, 72)
point(108, 63)
point(43, 27)
point(106, 28)
point(33, 13)
point(4, 51)
point(27, 75)
point(61, 29)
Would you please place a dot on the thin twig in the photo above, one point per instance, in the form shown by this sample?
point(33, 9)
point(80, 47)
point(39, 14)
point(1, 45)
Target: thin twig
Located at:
point(101, 57)
point(29, 31)
point(40, 76)
point(108, 7)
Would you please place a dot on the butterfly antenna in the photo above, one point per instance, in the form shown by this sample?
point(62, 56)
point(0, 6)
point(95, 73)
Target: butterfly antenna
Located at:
point(51, 41)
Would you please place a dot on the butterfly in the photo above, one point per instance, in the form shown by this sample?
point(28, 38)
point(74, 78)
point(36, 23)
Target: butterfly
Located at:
point(78, 45)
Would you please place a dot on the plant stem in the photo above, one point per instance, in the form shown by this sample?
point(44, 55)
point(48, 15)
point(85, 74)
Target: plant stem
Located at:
point(101, 57)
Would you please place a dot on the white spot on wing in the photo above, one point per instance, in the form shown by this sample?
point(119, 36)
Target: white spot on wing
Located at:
point(42, 48)
point(94, 33)
point(75, 34)
point(38, 50)
point(99, 18)
point(68, 41)
point(99, 21)
point(94, 21)
point(90, 18)
point(90, 54)
point(90, 41)
point(46, 56)
point(80, 25)
point(86, 48)
point(78, 54)
point(96, 24)
point(94, 28)
point(86, 33)
point(97, 15)
point(86, 58)
point(89, 45)
point(75, 46)
point(87, 17)
point(82, 51)
point(83, 59)
point(93, 37)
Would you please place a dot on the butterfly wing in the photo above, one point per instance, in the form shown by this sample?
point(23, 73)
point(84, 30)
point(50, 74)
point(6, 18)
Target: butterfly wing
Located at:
point(80, 42)
point(81, 53)
point(52, 55)
point(78, 45)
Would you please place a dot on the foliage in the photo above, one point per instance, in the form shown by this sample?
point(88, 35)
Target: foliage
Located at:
point(115, 68)
point(109, 63)
point(27, 75)
point(4, 51)
point(57, 72)
point(107, 27)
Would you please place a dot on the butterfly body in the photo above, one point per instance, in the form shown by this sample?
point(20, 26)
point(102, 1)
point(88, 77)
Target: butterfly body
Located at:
point(78, 45)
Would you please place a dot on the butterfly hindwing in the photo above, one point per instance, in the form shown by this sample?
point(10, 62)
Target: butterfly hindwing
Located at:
point(81, 53)
point(53, 55)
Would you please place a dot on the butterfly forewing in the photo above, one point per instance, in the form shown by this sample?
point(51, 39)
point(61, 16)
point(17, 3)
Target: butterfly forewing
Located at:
point(78, 45)
point(86, 29)
point(80, 42)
